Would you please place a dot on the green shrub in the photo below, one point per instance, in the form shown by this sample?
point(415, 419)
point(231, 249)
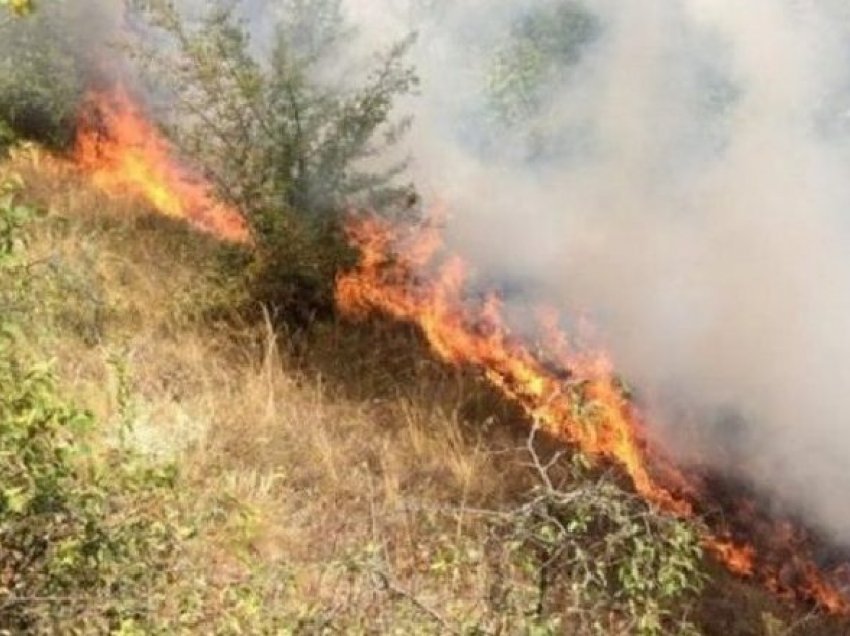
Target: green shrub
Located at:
point(7, 137)
point(260, 116)
point(75, 547)
point(18, 8)
point(582, 554)
point(544, 43)
point(13, 274)
point(78, 543)
point(281, 141)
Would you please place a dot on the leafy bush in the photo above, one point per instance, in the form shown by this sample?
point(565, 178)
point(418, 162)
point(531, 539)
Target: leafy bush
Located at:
point(261, 117)
point(13, 217)
point(7, 136)
point(575, 554)
point(601, 561)
point(280, 140)
point(17, 7)
point(77, 543)
point(531, 65)
point(544, 43)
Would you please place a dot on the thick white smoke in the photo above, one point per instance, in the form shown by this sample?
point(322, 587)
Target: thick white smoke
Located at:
point(695, 200)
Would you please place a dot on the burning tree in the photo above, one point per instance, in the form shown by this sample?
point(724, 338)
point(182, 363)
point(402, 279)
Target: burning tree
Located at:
point(289, 146)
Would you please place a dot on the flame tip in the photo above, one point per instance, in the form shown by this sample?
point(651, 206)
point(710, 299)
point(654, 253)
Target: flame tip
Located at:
point(125, 155)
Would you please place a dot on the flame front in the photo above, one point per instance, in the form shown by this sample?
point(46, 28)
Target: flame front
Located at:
point(126, 155)
point(572, 394)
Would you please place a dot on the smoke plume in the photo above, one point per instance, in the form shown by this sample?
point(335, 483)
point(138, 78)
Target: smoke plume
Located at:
point(682, 180)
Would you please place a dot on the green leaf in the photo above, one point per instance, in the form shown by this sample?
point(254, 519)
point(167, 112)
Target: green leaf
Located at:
point(16, 499)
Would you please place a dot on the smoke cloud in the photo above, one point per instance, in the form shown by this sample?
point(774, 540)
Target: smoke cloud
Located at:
point(684, 182)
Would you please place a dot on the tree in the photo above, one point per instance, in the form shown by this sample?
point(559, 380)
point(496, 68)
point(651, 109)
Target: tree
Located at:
point(272, 131)
point(544, 44)
point(287, 140)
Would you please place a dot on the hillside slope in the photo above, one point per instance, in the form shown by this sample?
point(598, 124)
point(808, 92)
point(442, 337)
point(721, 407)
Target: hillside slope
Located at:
point(328, 479)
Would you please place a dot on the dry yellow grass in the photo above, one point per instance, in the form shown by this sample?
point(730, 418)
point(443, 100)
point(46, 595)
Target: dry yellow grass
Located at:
point(329, 478)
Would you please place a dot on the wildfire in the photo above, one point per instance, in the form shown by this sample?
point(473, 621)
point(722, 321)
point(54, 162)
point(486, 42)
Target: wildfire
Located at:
point(572, 393)
point(126, 155)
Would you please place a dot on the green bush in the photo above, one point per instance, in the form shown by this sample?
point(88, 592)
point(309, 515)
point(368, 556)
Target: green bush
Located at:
point(543, 44)
point(13, 269)
point(596, 560)
point(284, 144)
point(78, 543)
point(18, 7)
point(7, 137)
point(75, 547)
point(260, 117)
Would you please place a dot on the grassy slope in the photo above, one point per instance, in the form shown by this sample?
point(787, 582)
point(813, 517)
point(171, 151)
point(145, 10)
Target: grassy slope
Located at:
point(340, 469)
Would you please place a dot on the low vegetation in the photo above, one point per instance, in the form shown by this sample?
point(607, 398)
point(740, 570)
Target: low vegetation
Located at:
point(180, 466)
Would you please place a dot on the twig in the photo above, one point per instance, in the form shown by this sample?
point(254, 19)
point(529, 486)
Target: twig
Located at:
point(394, 588)
point(797, 624)
point(542, 471)
point(449, 510)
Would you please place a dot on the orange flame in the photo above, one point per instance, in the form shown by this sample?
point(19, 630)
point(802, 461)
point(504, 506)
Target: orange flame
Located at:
point(127, 155)
point(572, 394)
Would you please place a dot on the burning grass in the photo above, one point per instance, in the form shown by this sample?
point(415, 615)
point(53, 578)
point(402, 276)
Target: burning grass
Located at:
point(338, 478)
point(126, 155)
point(405, 273)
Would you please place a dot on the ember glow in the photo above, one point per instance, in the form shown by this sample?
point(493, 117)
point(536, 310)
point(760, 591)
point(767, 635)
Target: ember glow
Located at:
point(125, 155)
point(572, 394)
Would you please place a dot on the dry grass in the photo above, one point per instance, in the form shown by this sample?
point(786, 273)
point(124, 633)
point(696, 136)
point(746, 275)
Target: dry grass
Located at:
point(358, 463)
point(327, 476)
